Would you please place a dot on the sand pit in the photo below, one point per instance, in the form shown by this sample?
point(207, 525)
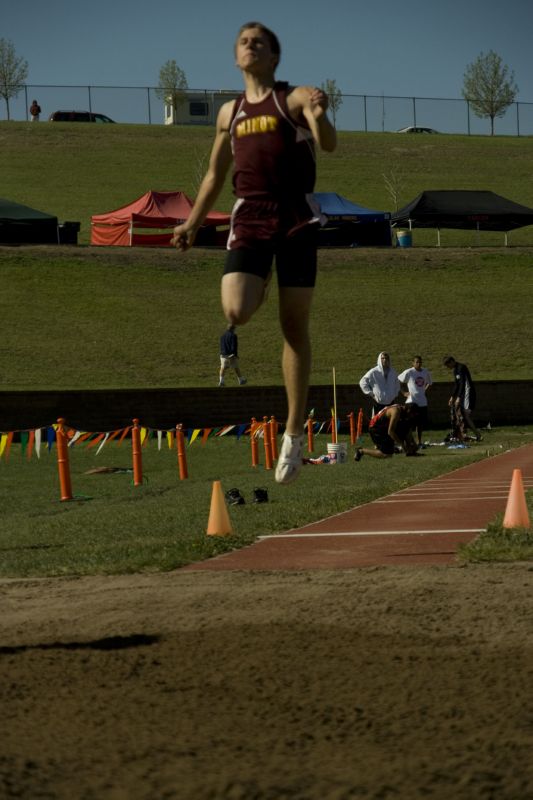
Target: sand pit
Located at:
point(368, 683)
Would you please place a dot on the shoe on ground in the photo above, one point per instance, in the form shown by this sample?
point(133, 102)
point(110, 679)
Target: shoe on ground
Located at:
point(242, 381)
point(234, 498)
point(290, 458)
point(260, 496)
point(358, 454)
point(221, 383)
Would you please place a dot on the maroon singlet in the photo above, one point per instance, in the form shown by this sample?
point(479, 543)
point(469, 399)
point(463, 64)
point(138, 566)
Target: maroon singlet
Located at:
point(274, 157)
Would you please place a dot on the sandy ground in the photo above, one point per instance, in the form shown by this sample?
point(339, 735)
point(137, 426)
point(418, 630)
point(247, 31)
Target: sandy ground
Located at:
point(369, 683)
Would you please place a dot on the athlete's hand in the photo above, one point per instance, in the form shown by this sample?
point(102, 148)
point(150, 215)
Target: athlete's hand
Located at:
point(183, 238)
point(319, 101)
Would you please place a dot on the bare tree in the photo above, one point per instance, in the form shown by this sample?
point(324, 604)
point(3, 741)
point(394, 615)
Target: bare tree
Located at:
point(334, 97)
point(488, 87)
point(394, 181)
point(13, 72)
point(201, 162)
point(172, 84)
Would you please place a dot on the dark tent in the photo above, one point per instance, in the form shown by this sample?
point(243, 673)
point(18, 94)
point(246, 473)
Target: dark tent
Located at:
point(351, 225)
point(23, 225)
point(464, 209)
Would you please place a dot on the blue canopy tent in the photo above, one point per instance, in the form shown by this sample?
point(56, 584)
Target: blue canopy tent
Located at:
point(351, 225)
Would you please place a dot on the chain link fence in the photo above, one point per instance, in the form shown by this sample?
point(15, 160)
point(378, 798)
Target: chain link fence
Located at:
point(140, 104)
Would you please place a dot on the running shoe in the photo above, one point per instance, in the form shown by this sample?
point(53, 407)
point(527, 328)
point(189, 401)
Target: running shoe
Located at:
point(234, 498)
point(290, 458)
point(242, 381)
point(260, 495)
point(358, 454)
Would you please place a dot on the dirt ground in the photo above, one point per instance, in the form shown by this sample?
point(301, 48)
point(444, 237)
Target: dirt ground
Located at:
point(369, 683)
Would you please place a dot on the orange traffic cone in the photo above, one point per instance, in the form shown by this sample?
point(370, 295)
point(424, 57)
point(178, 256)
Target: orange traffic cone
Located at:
point(516, 513)
point(219, 522)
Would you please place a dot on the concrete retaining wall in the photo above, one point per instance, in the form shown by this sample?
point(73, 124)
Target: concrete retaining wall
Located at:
point(499, 402)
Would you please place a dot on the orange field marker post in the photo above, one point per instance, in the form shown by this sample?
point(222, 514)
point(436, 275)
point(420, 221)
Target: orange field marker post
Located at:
point(274, 437)
point(310, 435)
point(359, 431)
point(351, 420)
point(136, 454)
point(253, 442)
point(516, 513)
point(267, 443)
point(182, 457)
point(219, 523)
point(63, 466)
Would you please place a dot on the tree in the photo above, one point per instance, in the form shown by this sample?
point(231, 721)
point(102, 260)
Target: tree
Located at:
point(13, 72)
point(172, 84)
point(394, 182)
point(334, 97)
point(488, 87)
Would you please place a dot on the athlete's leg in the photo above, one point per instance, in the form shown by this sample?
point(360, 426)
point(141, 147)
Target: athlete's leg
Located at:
point(294, 310)
point(365, 451)
point(241, 295)
point(469, 422)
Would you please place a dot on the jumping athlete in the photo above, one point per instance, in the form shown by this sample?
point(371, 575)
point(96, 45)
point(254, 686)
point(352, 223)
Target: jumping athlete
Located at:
point(269, 133)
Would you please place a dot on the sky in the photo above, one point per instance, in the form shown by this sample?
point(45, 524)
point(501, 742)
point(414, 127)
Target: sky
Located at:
point(414, 48)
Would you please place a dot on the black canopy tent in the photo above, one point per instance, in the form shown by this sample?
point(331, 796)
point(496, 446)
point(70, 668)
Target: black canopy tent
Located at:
point(20, 224)
point(464, 209)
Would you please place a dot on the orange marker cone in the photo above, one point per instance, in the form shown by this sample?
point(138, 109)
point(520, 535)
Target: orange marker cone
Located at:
point(219, 522)
point(516, 513)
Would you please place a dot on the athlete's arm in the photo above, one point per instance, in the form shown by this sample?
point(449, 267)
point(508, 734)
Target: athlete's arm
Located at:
point(312, 103)
point(212, 183)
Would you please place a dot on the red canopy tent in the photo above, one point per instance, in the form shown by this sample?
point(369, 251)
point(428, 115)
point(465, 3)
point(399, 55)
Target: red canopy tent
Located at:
point(144, 222)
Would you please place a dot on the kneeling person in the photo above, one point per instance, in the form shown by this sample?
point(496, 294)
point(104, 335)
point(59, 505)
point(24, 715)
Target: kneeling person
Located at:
point(390, 428)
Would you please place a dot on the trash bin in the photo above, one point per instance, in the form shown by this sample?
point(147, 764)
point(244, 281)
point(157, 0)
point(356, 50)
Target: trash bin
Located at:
point(404, 238)
point(68, 232)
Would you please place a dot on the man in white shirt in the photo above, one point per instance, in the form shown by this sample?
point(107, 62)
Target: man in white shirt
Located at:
point(415, 382)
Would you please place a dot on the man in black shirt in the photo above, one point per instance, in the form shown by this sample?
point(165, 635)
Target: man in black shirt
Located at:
point(463, 399)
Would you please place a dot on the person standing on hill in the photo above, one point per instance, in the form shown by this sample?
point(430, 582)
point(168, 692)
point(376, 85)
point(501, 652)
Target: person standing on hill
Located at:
point(35, 111)
point(269, 133)
point(229, 355)
point(415, 382)
point(381, 383)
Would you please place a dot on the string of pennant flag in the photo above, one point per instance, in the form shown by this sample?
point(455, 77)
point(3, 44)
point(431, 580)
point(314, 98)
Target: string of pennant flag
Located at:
point(33, 441)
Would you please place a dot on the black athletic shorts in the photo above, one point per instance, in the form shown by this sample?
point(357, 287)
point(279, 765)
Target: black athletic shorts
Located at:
point(261, 231)
point(382, 440)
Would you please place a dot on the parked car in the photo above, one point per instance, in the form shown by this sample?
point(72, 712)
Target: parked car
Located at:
point(416, 129)
point(78, 116)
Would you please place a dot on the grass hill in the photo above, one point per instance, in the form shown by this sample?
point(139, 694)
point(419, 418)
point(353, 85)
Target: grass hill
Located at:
point(97, 317)
point(75, 170)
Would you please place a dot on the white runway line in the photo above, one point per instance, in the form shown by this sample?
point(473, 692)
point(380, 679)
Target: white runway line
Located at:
point(452, 498)
point(368, 533)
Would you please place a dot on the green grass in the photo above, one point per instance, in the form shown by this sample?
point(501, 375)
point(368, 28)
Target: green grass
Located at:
point(75, 170)
point(500, 544)
point(114, 527)
point(62, 308)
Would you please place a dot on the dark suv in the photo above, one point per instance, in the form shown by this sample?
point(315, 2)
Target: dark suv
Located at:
point(78, 116)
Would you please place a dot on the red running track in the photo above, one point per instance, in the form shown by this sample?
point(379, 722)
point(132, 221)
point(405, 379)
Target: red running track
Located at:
point(423, 524)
